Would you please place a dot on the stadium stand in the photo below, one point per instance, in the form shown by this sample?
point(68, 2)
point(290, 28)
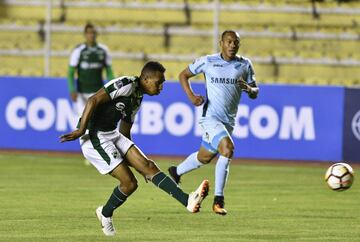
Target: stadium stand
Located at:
point(289, 41)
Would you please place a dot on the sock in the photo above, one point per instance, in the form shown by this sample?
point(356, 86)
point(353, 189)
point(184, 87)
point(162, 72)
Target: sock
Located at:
point(168, 185)
point(189, 164)
point(221, 175)
point(116, 199)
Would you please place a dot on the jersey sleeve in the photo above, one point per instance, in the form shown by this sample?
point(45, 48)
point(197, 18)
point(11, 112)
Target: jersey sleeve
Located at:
point(108, 59)
point(198, 66)
point(75, 57)
point(250, 78)
point(119, 87)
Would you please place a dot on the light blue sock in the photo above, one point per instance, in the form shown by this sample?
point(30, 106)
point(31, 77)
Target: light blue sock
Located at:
point(189, 164)
point(221, 174)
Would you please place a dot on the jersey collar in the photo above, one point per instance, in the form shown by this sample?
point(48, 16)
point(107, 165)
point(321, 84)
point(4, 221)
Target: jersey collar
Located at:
point(237, 58)
point(94, 47)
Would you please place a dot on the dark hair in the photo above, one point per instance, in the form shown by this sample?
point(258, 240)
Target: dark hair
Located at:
point(88, 26)
point(229, 32)
point(152, 66)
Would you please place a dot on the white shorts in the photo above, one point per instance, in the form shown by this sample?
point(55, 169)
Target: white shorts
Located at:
point(81, 102)
point(213, 132)
point(105, 150)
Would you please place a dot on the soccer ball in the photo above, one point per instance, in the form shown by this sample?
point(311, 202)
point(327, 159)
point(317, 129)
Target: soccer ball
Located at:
point(339, 176)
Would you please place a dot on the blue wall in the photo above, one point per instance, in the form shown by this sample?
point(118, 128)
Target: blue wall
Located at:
point(285, 122)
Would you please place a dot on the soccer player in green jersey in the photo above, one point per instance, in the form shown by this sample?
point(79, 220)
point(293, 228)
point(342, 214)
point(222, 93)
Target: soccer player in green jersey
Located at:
point(112, 152)
point(88, 60)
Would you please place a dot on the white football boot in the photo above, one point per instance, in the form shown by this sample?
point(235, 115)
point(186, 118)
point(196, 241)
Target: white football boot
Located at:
point(195, 198)
point(106, 223)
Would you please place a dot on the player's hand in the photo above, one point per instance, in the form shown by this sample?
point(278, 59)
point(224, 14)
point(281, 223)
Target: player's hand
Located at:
point(244, 86)
point(73, 96)
point(71, 136)
point(197, 100)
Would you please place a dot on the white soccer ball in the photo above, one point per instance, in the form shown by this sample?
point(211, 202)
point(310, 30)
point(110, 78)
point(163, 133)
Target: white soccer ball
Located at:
point(339, 176)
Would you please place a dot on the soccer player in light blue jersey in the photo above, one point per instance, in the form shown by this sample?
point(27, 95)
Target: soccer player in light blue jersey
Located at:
point(227, 76)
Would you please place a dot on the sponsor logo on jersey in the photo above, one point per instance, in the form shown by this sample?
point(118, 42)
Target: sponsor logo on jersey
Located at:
point(223, 80)
point(355, 125)
point(93, 65)
point(121, 108)
point(217, 65)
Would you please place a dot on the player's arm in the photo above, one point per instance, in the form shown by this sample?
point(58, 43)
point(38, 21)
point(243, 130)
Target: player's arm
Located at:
point(184, 78)
point(73, 63)
point(251, 89)
point(125, 129)
point(99, 98)
point(250, 86)
point(108, 62)
point(109, 73)
point(70, 82)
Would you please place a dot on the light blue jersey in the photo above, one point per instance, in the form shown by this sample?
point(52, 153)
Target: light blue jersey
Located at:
point(222, 84)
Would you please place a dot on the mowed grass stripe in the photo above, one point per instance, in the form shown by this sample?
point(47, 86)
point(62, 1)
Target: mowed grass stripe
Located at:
point(54, 199)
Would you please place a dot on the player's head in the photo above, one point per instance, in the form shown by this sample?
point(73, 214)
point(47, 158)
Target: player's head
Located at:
point(152, 78)
point(230, 43)
point(90, 33)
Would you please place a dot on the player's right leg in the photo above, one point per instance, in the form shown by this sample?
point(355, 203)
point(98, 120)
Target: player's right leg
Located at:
point(102, 153)
point(192, 162)
point(151, 172)
point(128, 185)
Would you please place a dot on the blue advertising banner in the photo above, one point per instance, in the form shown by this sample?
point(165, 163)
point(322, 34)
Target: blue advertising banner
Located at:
point(34, 112)
point(351, 151)
point(285, 122)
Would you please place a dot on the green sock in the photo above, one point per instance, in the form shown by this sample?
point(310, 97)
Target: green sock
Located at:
point(116, 199)
point(168, 185)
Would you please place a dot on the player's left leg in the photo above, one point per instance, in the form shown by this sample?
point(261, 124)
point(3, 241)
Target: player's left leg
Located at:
point(128, 184)
point(226, 151)
point(151, 172)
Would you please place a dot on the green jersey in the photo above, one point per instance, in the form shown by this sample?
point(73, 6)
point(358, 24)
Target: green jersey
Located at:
point(90, 62)
point(126, 98)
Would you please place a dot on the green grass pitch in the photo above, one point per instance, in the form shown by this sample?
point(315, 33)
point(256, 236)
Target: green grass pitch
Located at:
point(54, 198)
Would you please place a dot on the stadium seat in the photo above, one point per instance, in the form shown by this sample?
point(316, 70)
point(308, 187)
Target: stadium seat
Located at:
point(260, 30)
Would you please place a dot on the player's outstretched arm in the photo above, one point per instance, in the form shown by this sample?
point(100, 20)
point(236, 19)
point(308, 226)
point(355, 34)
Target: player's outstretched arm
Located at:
point(71, 136)
point(184, 77)
point(98, 98)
